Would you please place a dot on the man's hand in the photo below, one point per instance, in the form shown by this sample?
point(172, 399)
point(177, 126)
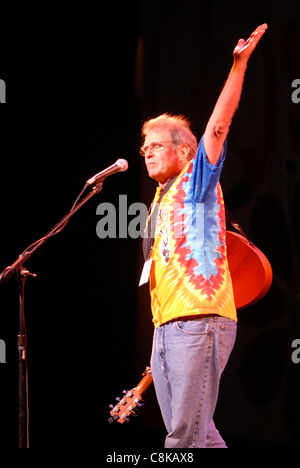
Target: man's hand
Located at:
point(244, 49)
point(220, 120)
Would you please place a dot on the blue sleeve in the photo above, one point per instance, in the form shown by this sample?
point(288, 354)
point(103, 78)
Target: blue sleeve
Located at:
point(205, 176)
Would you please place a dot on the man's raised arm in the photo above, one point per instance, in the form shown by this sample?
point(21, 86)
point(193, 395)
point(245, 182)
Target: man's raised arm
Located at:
point(220, 120)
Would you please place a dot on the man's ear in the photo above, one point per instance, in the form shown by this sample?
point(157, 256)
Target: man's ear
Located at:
point(183, 152)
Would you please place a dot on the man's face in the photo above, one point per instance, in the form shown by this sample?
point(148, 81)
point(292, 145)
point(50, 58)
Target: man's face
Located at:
point(163, 162)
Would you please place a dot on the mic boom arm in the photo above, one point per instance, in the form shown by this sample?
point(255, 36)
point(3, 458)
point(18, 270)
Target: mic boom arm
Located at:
point(120, 166)
point(8, 272)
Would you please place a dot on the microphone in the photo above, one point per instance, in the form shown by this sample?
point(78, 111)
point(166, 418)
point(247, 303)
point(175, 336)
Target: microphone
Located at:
point(120, 166)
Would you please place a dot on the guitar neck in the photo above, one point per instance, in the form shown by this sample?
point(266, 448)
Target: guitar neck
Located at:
point(146, 381)
point(132, 400)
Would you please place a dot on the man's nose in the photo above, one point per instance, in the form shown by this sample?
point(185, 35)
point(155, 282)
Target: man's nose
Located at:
point(149, 153)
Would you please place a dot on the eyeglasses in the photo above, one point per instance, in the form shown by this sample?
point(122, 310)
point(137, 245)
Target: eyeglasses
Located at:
point(155, 147)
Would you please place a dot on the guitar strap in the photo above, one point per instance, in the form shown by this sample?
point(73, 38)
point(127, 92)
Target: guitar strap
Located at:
point(236, 225)
point(148, 239)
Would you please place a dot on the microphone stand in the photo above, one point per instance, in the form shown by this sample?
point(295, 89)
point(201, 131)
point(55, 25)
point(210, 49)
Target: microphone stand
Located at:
point(22, 274)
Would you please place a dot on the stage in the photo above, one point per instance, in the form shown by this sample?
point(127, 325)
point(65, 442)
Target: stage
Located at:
point(79, 85)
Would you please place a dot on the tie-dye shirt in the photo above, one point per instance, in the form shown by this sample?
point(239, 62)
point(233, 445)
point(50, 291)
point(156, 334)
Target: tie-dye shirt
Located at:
point(189, 273)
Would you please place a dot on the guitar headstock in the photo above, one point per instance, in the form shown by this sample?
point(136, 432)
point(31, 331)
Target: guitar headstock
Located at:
point(133, 399)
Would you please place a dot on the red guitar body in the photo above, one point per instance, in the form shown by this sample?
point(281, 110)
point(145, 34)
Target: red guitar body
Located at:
point(250, 270)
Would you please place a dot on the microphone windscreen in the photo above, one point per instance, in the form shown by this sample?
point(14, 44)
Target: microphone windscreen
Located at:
point(123, 164)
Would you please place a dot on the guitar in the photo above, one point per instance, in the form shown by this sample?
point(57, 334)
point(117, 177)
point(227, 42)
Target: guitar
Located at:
point(251, 276)
point(250, 270)
point(132, 399)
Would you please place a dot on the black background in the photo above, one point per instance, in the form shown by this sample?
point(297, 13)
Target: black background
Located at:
point(80, 82)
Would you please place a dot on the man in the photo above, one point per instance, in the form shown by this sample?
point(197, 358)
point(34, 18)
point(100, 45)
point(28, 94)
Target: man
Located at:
point(191, 291)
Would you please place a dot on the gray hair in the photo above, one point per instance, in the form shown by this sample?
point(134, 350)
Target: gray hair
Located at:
point(179, 128)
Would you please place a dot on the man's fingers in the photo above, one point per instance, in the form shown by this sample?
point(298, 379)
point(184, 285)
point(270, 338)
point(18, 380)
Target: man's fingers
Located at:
point(259, 31)
point(255, 37)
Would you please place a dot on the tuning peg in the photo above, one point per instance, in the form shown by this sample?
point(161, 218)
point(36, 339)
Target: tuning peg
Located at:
point(128, 393)
point(125, 416)
point(118, 398)
point(138, 401)
point(116, 408)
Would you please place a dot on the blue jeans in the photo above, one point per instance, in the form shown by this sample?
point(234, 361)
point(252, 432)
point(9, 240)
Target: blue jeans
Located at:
point(188, 358)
